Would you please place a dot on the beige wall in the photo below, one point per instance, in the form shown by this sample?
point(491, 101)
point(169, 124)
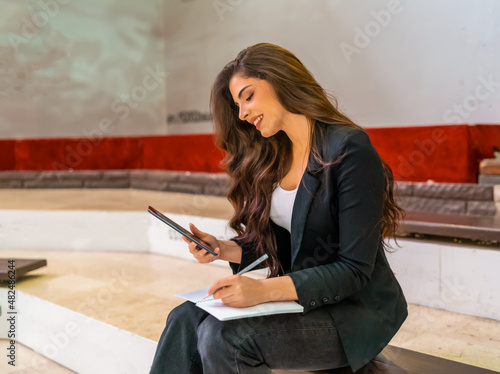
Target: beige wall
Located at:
point(388, 62)
point(73, 67)
point(103, 66)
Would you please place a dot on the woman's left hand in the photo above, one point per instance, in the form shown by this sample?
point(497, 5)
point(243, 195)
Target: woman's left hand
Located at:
point(238, 291)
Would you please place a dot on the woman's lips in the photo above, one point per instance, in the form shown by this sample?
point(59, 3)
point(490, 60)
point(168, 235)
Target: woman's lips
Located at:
point(257, 121)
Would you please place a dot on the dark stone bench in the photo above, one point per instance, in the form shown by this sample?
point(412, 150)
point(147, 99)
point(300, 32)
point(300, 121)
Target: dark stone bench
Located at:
point(482, 228)
point(394, 360)
point(21, 267)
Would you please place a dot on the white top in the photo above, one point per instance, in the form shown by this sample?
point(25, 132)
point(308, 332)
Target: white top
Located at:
point(282, 206)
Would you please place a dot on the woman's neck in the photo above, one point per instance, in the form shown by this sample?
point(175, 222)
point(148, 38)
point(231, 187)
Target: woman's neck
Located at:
point(298, 129)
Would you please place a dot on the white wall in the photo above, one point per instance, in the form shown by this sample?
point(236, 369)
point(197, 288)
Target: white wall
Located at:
point(457, 277)
point(422, 58)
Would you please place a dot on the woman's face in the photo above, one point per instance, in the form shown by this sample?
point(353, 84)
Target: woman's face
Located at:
point(258, 104)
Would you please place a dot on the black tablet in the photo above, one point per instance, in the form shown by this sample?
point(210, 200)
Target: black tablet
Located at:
point(179, 229)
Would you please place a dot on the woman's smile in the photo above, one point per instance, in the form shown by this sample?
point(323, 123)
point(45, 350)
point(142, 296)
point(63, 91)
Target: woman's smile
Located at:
point(257, 121)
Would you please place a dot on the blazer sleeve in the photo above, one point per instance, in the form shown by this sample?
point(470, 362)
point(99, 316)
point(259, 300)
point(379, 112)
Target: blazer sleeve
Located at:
point(247, 256)
point(359, 179)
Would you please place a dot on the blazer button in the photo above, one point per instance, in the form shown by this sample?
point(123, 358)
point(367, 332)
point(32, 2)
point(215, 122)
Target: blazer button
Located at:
point(337, 298)
point(312, 303)
point(325, 299)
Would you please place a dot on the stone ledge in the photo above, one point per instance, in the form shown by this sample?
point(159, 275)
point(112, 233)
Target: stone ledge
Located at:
point(489, 179)
point(11, 184)
point(159, 180)
point(82, 174)
point(156, 175)
point(465, 191)
point(52, 183)
point(107, 183)
point(433, 205)
point(21, 175)
point(145, 184)
point(200, 183)
point(481, 208)
point(403, 188)
point(448, 198)
point(186, 187)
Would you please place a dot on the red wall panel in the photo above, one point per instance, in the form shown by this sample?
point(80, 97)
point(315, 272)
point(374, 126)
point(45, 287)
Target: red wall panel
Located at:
point(181, 152)
point(483, 138)
point(421, 153)
point(78, 154)
point(7, 155)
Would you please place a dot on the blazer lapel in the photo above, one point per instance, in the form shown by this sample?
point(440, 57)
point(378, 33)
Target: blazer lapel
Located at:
point(305, 194)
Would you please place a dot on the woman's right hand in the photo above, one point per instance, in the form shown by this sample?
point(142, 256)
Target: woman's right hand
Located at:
point(198, 253)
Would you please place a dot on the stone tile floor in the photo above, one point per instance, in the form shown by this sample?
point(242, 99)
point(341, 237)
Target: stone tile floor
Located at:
point(104, 285)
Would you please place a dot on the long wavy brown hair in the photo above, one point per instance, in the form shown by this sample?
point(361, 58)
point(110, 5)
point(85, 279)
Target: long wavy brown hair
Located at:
point(257, 164)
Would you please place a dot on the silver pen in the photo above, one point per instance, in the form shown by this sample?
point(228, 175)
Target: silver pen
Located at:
point(243, 271)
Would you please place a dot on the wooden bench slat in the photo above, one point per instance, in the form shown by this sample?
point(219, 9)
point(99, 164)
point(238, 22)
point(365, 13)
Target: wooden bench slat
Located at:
point(395, 360)
point(452, 225)
point(421, 363)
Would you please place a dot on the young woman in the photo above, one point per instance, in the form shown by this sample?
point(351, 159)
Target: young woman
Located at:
point(308, 189)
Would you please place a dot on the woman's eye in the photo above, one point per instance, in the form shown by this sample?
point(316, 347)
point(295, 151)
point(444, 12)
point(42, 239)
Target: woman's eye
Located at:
point(250, 97)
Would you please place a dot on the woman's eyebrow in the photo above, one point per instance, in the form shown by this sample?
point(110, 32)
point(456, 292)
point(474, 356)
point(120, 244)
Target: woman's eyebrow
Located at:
point(243, 89)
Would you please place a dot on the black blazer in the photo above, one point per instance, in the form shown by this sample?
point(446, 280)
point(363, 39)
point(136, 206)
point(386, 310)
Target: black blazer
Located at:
point(334, 253)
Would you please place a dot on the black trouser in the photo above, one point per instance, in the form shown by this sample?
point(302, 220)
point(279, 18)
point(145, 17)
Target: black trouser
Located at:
point(196, 342)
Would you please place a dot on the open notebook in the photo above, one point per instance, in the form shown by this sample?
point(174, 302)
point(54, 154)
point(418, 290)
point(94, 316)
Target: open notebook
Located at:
point(224, 313)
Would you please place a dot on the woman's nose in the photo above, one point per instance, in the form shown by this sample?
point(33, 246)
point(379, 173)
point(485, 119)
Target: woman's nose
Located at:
point(243, 114)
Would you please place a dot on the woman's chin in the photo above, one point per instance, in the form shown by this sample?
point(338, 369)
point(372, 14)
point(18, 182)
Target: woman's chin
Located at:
point(266, 133)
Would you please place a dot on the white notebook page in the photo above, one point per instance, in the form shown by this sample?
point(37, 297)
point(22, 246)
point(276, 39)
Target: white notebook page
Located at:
point(224, 313)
